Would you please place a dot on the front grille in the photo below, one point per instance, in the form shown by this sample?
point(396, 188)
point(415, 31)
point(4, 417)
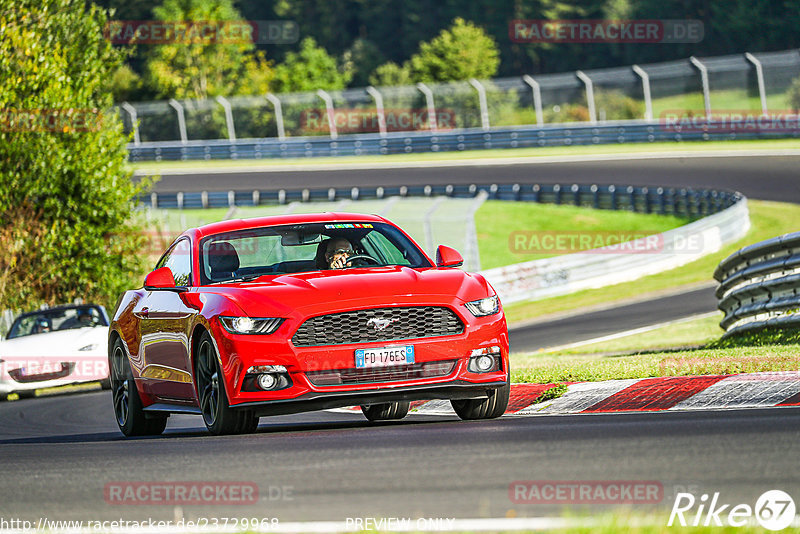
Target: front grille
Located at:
point(356, 327)
point(381, 374)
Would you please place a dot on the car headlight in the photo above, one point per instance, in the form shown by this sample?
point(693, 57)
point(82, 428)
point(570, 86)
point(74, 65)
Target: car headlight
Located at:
point(250, 325)
point(87, 348)
point(483, 307)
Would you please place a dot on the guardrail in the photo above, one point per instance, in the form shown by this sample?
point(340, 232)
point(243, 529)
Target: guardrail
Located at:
point(684, 202)
point(635, 131)
point(759, 285)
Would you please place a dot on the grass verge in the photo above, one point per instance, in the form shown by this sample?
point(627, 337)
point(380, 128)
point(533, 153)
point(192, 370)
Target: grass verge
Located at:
point(768, 219)
point(553, 367)
point(514, 232)
point(566, 151)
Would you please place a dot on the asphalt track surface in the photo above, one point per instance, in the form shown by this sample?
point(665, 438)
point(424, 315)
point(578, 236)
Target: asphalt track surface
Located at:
point(58, 454)
point(761, 177)
point(583, 327)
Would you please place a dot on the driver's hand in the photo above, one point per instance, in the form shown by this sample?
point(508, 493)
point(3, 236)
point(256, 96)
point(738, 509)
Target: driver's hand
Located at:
point(339, 261)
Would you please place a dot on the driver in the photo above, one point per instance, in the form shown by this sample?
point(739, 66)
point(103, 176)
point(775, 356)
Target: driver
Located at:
point(337, 252)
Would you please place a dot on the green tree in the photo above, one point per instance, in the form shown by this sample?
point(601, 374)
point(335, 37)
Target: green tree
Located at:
point(360, 60)
point(65, 212)
point(461, 52)
point(309, 69)
point(205, 67)
point(391, 74)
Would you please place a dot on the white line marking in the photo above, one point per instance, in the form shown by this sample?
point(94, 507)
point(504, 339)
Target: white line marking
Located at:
point(756, 390)
point(477, 162)
point(627, 333)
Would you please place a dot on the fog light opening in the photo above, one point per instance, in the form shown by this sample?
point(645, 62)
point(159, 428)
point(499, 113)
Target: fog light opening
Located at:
point(484, 363)
point(267, 381)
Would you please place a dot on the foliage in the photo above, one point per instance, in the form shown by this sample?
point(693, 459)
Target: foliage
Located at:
point(205, 67)
point(461, 52)
point(361, 60)
point(390, 74)
point(793, 94)
point(65, 212)
point(309, 69)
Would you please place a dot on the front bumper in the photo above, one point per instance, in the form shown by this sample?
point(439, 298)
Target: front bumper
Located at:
point(316, 400)
point(240, 352)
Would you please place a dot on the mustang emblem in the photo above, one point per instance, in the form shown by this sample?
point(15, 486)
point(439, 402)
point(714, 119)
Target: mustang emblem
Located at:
point(380, 324)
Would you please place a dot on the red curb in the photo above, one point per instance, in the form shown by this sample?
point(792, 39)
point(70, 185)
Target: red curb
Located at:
point(654, 394)
point(523, 395)
point(794, 400)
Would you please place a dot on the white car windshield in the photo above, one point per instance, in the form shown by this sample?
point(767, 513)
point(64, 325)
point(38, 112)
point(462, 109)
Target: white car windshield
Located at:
point(56, 319)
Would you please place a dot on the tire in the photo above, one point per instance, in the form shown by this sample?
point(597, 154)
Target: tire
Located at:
point(489, 408)
point(219, 417)
point(128, 411)
point(386, 412)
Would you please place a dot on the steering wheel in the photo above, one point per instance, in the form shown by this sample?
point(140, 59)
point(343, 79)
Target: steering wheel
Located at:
point(360, 257)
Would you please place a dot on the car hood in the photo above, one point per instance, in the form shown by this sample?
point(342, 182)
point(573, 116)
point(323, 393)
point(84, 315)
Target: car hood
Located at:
point(60, 342)
point(375, 286)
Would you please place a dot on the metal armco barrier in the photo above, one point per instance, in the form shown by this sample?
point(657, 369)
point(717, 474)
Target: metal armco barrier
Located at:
point(636, 131)
point(759, 285)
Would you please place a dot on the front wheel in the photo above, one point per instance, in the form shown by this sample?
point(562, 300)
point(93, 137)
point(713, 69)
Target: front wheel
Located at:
point(131, 417)
point(387, 411)
point(489, 408)
point(217, 415)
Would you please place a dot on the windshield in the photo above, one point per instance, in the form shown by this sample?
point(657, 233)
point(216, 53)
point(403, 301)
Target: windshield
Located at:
point(57, 319)
point(300, 248)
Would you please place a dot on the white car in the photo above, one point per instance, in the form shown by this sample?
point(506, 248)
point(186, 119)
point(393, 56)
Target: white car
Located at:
point(55, 347)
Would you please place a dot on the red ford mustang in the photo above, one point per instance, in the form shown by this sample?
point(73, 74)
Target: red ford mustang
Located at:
point(248, 318)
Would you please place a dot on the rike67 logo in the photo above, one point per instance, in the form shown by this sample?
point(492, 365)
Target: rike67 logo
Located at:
point(774, 510)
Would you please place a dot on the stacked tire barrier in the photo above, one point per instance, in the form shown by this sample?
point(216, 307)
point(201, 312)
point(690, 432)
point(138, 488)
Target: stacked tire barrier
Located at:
point(636, 131)
point(759, 285)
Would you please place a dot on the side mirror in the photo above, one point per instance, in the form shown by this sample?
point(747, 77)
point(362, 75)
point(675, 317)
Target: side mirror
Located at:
point(160, 279)
point(448, 257)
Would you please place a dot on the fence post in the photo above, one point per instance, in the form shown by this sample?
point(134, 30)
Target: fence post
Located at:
point(537, 98)
point(425, 90)
point(762, 93)
point(376, 95)
point(134, 121)
point(276, 103)
point(181, 119)
point(330, 111)
point(228, 117)
point(704, 79)
point(648, 100)
point(482, 102)
point(589, 95)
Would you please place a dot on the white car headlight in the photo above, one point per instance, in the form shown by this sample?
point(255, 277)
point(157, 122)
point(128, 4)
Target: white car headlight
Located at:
point(483, 307)
point(87, 348)
point(251, 325)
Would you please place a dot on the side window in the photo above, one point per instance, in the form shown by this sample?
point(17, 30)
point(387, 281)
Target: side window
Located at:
point(179, 261)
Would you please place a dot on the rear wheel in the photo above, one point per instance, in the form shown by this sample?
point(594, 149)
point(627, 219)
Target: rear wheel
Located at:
point(217, 415)
point(131, 417)
point(387, 411)
point(489, 408)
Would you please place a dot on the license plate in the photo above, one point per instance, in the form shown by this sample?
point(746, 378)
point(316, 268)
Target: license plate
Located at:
point(385, 356)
